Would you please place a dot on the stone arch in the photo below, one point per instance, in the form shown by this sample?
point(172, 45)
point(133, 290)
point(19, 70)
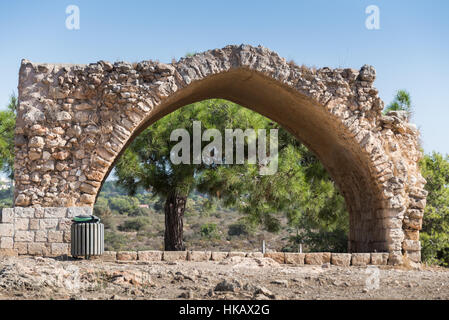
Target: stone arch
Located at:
point(74, 120)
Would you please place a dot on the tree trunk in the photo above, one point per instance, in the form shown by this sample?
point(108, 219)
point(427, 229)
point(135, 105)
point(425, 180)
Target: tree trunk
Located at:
point(175, 206)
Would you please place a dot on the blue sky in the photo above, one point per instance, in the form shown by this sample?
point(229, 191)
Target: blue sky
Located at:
point(410, 51)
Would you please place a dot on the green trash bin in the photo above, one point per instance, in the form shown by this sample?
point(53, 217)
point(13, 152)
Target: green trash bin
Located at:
point(87, 236)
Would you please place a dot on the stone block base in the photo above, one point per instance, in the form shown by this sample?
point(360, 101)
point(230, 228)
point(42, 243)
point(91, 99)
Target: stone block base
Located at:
point(38, 231)
point(279, 257)
point(172, 256)
point(318, 258)
point(341, 259)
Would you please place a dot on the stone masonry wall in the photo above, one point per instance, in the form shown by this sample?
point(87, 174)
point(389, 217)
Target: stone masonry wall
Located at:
point(38, 231)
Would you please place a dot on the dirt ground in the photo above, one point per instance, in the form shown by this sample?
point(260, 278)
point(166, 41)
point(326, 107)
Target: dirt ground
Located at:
point(233, 278)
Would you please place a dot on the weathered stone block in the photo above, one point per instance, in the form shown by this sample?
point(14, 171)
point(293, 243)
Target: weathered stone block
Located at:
point(415, 213)
point(48, 224)
point(34, 224)
point(22, 224)
point(39, 248)
point(20, 212)
point(395, 258)
point(6, 243)
point(7, 215)
point(59, 248)
point(198, 255)
point(108, 256)
point(318, 258)
point(64, 224)
point(411, 234)
point(6, 230)
point(21, 247)
point(411, 245)
point(88, 198)
point(279, 257)
point(172, 256)
point(66, 238)
point(391, 223)
point(379, 258)
point(55, 236)
point(254, 255)
point(414, 256)
point(394, 235)
point(40, 236)
point(341, 259)
point(22, 200)
point(360, 259)
point(24, 236)
point(236, 254)
point(77, 211)
point(414, 224)
point(127, 255)
point(394, 246)
point(8, 253)
point(219, 256)
point(55, 212)
point(294, 258)
point(150, 255)
point(416, 203)
point(39, 213)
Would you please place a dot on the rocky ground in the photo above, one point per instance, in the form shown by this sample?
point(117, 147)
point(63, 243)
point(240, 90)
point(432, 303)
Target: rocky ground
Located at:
point(233, 278)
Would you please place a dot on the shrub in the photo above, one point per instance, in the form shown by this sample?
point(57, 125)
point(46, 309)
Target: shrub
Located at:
point(123, 204)
point(108, 223)
point(138, 212)
point(209, 230)
point(136, 224)
point(102, 211)
point(319, 240)
point(238, 229)
point(435, 232)
point(114, 241)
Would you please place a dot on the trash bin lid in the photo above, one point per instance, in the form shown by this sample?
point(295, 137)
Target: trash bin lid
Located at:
point(86, 219)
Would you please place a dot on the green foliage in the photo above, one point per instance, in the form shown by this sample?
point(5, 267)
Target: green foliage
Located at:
point(435, 233)
point(401, 102)
point(102, 211)
point(301, 189)
point(7, 126)
point(124, 205)
point(209, 231)
point(138, 212)
point(239, 229)
point(136, 224)
point(6, 197)
point(114, 241)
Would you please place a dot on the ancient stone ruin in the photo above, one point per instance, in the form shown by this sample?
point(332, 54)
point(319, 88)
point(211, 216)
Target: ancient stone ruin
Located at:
point(73, 121)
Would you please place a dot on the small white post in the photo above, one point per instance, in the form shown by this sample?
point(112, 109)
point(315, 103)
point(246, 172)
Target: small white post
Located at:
point(263, 246)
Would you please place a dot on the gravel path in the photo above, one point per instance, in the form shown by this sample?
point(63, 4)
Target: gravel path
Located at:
point(233, 278)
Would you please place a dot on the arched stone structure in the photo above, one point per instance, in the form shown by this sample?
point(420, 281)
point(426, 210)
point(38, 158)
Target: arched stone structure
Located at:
point(74, 120)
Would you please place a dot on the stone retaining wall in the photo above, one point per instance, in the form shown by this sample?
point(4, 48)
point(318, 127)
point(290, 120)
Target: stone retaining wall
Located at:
point(314, 258)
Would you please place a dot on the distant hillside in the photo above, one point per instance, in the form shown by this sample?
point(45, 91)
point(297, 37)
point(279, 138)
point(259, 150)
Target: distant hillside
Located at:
point(6, 195)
